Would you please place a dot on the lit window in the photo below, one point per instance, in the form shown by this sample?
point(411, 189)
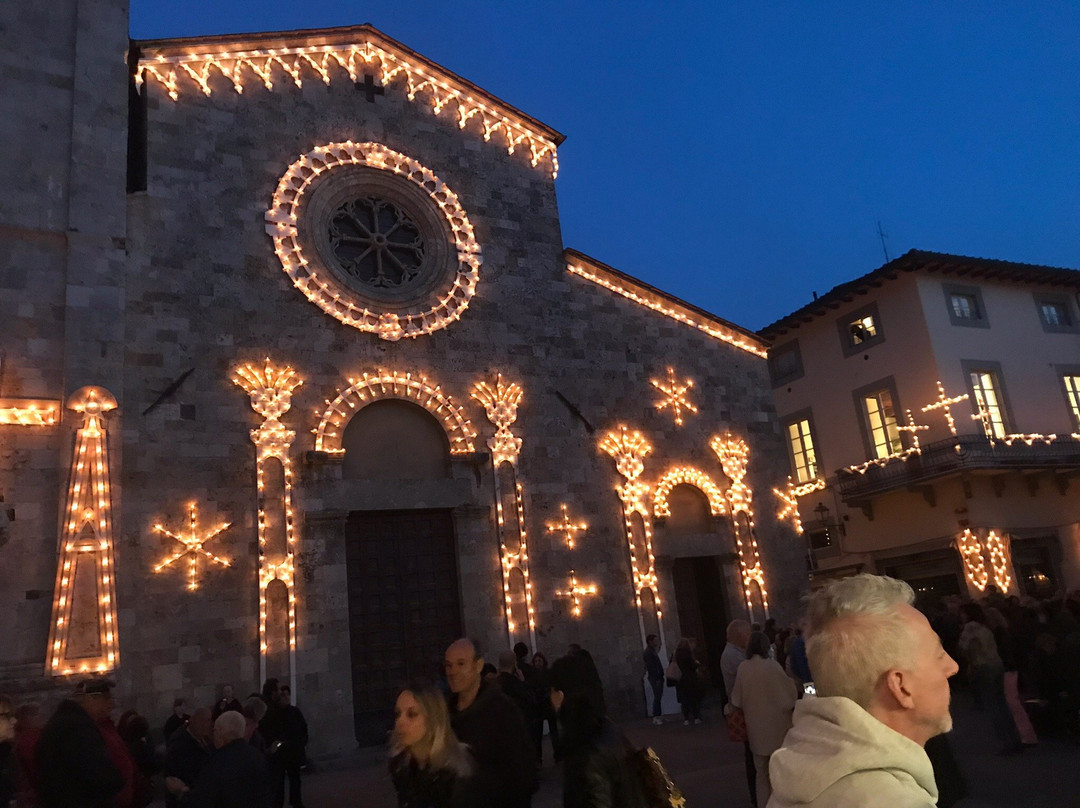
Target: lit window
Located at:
point(988, 400)
point(1072, 389)
point(862, 330)
point(881, 415)
point(803, 456)
point(964, 307)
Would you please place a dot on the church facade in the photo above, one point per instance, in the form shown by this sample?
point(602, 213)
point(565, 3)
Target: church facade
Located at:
point(300, 381)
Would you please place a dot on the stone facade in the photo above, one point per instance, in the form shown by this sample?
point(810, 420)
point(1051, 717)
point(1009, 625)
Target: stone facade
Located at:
point(184, 277)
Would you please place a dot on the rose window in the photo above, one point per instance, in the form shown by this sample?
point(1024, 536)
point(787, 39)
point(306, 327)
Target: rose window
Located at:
point(376, 243)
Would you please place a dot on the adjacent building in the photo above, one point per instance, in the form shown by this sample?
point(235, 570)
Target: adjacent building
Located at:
point(931, 412)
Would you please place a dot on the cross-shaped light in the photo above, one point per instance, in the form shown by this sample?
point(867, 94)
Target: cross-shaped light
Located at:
point(790, 509)
point(566, 527)
point(575, 592)
point(914, 429)
point(193, 547)
point(944, 403)
point(674, 395)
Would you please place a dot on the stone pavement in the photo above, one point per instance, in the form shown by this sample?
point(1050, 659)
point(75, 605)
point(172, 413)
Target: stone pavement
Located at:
point(709, 769)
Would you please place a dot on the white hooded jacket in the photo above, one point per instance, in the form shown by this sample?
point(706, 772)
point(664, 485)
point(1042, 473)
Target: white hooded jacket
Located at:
point(837, 755)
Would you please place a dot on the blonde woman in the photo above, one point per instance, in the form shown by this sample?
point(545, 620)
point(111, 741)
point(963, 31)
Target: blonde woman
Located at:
point(430, 768)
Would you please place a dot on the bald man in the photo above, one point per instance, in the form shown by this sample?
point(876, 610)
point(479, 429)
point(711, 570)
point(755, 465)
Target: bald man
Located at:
point(236, 776)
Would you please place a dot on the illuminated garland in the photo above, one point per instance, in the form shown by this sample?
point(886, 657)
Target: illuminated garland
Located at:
point(690, 476)
point(328, 61)
point(501, 404)
point(566, 527)
point(86, 539)
point(789, 508)
point(383, 384)
point(326, 292)
point(629, 449)
point(944, 404)
point(967, 543)
point(734, 455)
point(270, 391)
point(724, 335)
point(26, 412)
point(1000, 562)
point(194, 546)
point(674, 395)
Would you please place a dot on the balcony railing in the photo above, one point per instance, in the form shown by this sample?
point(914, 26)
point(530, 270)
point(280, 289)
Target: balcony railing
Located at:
point(944, 458)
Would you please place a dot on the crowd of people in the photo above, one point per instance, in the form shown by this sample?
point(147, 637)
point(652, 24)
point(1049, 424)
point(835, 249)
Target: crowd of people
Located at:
point(229, 755)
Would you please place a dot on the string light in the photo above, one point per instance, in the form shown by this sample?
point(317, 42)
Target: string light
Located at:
point(86, 539)
point(789, 509)
point(575, 593)
point(734, 456)
point(998, 549)
point(690, 476)
point(944, 404)
point(501, 403)
point(567, 527)
point(326, 292)
point(27, 412)
point(675, 395)
point(270, 391)
point(904, 456)
point(440, 88)
point(809, 488)
point(610, 282)
point(967, 543)
point(629, 450)
point(383, 384)
point(194, 546)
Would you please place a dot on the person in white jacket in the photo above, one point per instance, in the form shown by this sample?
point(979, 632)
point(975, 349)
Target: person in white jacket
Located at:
point(882, 680)
point(766, 695)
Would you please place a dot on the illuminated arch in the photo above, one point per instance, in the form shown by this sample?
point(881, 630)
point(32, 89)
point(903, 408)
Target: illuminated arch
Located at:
point(382, 384)
point(690, 476)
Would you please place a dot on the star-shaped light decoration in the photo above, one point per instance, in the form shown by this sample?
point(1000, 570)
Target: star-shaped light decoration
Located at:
point(194, 547)
point(675, 395)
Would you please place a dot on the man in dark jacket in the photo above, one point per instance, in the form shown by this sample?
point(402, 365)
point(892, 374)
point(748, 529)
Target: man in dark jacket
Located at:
point(186, 754)
point(654, 670)
point(295, 737)
point(236, 776)
point(492, 726)
point(74, 769)
point(514, 688)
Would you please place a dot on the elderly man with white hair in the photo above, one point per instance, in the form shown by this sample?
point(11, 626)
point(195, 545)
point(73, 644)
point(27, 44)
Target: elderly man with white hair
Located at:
point(882, 681)
point(236, 775)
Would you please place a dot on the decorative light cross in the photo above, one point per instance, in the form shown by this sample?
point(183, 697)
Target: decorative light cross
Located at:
point(567, 527)
point(194, 546)
point(675, 395)
point(575, 593)
point(944, 404)
point(986, 421)
point(789, 506)
point(913, 429)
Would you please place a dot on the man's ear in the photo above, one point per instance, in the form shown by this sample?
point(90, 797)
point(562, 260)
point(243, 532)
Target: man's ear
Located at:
point(897, 684)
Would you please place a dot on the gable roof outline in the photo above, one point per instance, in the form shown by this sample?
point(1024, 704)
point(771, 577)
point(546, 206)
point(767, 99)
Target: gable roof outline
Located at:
point(188, 65)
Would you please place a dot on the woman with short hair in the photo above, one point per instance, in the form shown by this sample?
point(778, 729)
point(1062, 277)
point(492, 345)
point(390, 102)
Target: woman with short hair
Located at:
point(430, 768)
point(766, 695)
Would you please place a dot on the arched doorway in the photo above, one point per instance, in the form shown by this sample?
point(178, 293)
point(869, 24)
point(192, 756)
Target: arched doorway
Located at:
point(403, 593)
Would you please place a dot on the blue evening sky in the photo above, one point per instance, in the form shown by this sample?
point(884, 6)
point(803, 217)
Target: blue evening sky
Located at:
point(740, 154)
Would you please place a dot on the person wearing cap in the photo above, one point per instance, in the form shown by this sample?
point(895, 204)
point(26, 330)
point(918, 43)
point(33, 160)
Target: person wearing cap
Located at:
point(74, 767)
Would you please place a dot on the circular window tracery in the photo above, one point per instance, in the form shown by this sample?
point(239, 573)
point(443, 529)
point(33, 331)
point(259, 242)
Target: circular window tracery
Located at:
point(375, 239)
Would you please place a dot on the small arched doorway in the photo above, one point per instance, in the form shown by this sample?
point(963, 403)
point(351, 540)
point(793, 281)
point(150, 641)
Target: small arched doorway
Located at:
point(401, 562)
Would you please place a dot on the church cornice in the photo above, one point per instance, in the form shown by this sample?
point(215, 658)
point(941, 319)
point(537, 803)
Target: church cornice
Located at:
point(581, 265)
point(196, 64)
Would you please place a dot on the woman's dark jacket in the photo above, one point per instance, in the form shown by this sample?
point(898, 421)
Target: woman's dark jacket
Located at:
point(427, 788)
point(689, 683)
point(74, 769)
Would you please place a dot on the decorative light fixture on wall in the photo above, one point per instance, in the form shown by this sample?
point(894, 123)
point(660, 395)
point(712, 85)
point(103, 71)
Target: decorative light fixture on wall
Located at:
point(675, 395)
point(575, 593)
point(501, 403)
point(997, 548)
point(690, 476)
point(970, 549)
point(734, 456)
point(194, 545)
point(567, 527)
point(441, 89)
point(29, 412)
point(629, 450)
point(392, 384)
point(270, 390)
point(789, 508)
point(83, 635)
